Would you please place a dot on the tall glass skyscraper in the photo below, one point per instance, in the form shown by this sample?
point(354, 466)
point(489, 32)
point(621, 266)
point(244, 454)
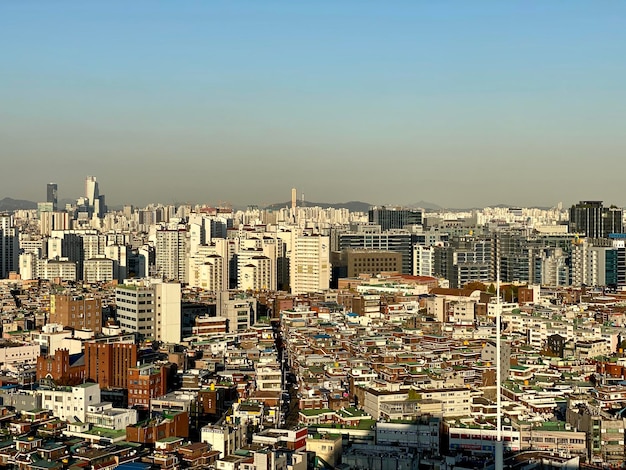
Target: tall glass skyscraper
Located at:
point(51, 195)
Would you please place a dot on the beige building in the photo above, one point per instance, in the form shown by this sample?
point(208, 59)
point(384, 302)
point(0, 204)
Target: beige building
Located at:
point(310, 264)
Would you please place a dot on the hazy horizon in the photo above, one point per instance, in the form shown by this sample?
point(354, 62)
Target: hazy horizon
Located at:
point(240, 101)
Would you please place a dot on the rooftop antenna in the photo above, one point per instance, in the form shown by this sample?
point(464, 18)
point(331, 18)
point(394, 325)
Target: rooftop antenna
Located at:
point(499, 444)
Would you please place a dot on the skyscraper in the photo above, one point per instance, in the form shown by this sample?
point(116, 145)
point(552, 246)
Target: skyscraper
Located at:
point(171, 254)
point(51, 195)
point(595, 220)
point(9, 246)
point(95, 201)
point(91, 190)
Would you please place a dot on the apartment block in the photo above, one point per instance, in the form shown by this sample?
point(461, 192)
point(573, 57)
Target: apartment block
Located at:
point(76, 311)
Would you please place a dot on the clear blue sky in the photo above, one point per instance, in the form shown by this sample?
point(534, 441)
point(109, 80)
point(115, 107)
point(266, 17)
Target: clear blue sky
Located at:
point(458, 103)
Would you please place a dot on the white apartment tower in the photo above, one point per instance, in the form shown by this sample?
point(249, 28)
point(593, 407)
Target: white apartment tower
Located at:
point(171, 254)
point(310, 264)
point(151, 308)
point(423, 260)
point(168, 312)
point(135, 308)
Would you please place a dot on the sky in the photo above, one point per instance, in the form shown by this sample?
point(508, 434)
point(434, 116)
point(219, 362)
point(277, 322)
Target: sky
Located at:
point(459, 103)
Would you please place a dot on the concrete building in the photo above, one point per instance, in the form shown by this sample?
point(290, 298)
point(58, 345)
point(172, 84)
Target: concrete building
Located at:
point(70, 403)
point(98, 269)
point(171, 254)
point(136, 308)
point(168, 327)
point(310, 264)
point(423, 260)
point(352, 262)
point(224, 438)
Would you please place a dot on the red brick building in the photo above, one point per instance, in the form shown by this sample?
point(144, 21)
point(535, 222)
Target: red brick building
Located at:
point(146, 382)
point(108, 363)
point(61, 367)
point(171, 424)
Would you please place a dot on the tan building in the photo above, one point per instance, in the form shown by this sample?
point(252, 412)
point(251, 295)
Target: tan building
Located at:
point(76, 311)
point(352, 262)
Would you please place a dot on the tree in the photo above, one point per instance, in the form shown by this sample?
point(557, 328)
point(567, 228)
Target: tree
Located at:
point(475, 285)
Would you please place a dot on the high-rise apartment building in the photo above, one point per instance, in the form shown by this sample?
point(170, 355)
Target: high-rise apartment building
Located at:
point(594, 220)
point(51, 195)
point(310, 264)
point(150, 308)
point(136, 309)
point(9, 246)
point(395, 217)
point(76, 311)
point(171, 254)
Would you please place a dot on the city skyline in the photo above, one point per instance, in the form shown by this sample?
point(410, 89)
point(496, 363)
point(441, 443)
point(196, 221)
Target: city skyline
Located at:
point(240, 101)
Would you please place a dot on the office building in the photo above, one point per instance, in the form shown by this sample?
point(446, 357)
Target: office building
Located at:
point(352, 262)
point(371, 238)
point(594, 220)
point(135, 308)
point(9, 246)
point(51, 195)
point(395, 217)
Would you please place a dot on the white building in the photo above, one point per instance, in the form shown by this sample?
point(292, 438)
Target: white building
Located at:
point(423, 260)
point(310, 264)
point(71, 403)
point(135, 308)
point(168, 312)
point(151, 308)
point(171, 254)
point(98, 269)
point(226, 439)
point(14, 355)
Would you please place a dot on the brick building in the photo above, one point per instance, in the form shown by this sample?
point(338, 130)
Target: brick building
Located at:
point(76, 311)
point(63, 368)
point(108, 363)
point(146, 382)
point(169, 424)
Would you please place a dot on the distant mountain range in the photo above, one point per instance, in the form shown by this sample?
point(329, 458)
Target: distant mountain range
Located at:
point(8, 204)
